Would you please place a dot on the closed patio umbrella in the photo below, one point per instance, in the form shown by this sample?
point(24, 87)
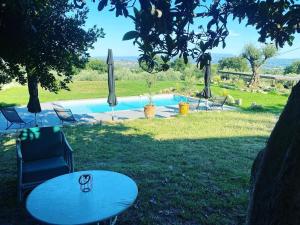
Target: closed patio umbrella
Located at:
point(206, 93)
point(33, 105)
point(112, 98)
point(207, 78)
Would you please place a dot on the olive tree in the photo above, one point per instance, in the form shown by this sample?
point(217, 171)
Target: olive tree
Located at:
point(179, 65)
point(96, 64)
point(42, 42)
point(256, 58)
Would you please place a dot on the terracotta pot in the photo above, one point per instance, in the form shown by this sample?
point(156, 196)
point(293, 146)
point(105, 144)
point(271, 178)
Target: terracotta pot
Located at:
point(184, 108)
point(149, 111)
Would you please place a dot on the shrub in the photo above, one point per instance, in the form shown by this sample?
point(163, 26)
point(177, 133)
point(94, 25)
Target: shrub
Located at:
point(169, 75)
point(230, 100)
point(256, 107)
point(97, 64)
point(189, 84)
point(89, 75)
point(294, 68)
point(179, 65)
point(125, 73)
point(239, 102)
point(240, 83)
point(273, 90)
point(192, 71)
point(288, 84)
point(217, 79)
point(279, 86)
point(214, 70)
point(168, 90)
point(233, 63)
point(225, 92)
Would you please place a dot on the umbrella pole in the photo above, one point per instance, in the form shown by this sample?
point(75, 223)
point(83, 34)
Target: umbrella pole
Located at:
point(35, 120)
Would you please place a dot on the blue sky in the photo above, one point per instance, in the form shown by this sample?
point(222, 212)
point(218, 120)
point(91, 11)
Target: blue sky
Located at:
point(115, 28)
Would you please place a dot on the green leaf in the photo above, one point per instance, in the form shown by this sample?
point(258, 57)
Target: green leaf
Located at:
point(130, 35)
point(102, 4)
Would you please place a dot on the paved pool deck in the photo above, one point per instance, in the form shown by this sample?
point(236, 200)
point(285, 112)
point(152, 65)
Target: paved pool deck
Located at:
point(49, 118)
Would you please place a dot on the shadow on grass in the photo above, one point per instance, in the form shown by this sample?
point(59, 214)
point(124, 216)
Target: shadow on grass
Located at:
point(181, 181)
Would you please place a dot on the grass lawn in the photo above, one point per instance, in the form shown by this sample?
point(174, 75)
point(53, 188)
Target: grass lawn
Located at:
point(98, 89)
point(271, 102)
point(189, 170)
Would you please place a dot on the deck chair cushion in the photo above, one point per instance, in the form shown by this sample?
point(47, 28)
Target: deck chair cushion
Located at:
point(41, 143)
point(44, 169)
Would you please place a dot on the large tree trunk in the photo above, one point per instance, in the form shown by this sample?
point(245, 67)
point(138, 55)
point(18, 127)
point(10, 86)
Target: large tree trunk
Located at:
point(254, 82)
point(33, 105)
point(275, 178)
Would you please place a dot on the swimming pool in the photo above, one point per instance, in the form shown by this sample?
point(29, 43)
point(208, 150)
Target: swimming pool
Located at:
point(124, 103)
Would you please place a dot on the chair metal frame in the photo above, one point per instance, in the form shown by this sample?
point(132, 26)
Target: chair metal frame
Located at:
point(214, 103)
point(61, 118)
point(22, 187)
point(10, 122)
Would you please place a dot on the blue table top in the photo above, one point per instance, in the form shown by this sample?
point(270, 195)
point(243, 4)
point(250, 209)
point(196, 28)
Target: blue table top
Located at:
point(60, 200)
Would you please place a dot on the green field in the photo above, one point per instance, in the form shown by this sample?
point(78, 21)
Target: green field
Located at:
point(80, 90)
point(189, 170)
point(271, 102)
point(98, 89)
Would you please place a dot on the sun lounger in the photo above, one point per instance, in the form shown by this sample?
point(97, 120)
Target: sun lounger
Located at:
point(12, 117)
point(65, 115)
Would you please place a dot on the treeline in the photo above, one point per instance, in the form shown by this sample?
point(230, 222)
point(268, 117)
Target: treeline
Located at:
point(252, 59)
point(240, 64)
point(96, 69)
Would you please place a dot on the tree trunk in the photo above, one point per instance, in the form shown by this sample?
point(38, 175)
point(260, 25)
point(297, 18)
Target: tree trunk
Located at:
point(254, 82)
point(275, 178)
point(33, 105)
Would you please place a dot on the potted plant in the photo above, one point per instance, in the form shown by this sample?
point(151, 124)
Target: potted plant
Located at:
point(184, 108)
point(149, 109)
point(187, 89)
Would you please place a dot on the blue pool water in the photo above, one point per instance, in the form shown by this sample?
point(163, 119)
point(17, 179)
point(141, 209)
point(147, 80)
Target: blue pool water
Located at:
point(123, 104)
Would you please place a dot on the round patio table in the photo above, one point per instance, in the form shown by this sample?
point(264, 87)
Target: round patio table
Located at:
point(60, 200)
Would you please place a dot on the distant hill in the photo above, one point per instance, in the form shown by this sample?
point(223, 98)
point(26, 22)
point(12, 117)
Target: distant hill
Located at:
point(279, 63)
point(272, 63)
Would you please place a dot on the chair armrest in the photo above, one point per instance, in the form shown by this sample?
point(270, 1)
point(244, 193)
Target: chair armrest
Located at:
point(67, 146)
point(18, 150)
point(68, 153)
point(19, 167)
point(225, 100)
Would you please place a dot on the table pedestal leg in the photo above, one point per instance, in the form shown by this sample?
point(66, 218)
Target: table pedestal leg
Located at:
point(113, 221)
